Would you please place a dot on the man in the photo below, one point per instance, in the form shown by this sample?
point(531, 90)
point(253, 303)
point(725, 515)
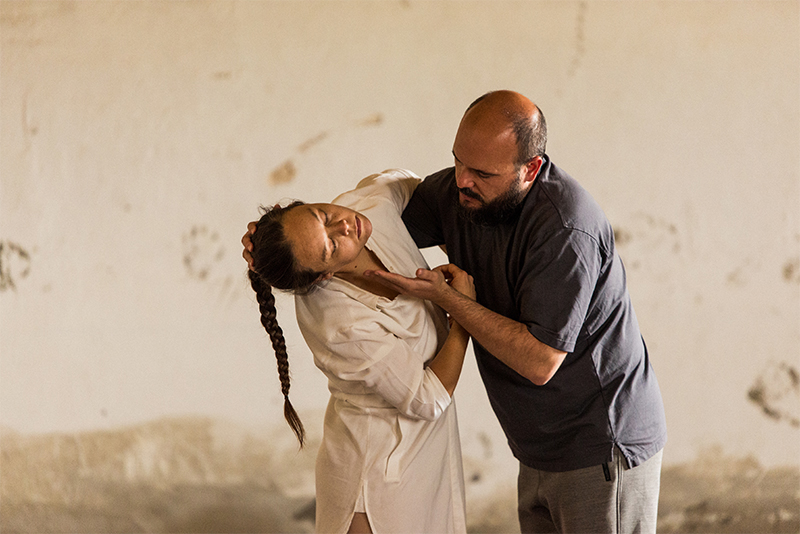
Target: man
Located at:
point(555, 335)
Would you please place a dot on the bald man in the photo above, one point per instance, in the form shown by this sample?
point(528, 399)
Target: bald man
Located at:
point(555, 335)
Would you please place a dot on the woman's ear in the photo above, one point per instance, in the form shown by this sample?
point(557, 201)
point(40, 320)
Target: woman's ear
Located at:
point(323, 277)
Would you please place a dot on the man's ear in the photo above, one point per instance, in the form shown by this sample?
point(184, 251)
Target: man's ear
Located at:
point(532, 169)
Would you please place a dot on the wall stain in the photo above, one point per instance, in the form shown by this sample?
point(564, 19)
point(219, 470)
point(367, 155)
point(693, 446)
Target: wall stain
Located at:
point(202, 249)
point(14, 14)
point(207, 475)
point(777, 392)
point(580, 39)
point(172, 475)
point(376, 119)
point(222, 75)
point(313, 141)
point(649, 234)
point(486, 443)
point(738, 276)
point(283, 174)
point(622, 236)
point(287, 171)
point(15, 264)
point(791, 271)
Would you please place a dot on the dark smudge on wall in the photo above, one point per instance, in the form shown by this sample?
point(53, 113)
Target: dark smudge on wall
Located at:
point(580, 40)
point(283, 174)
point(15, 264)
point(287, 171)
point(313, 141)
point(777, 392)
point(376, 119)
point(791, 271)
point(202, 249)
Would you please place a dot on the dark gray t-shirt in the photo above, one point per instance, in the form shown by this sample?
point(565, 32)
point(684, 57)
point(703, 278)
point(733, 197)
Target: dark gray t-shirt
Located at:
point(555, 270)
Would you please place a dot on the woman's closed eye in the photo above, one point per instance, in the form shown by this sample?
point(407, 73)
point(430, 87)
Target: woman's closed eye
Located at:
point(327, 222)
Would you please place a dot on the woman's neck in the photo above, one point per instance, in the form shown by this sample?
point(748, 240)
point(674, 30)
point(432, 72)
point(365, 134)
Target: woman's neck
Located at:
point(367, 261)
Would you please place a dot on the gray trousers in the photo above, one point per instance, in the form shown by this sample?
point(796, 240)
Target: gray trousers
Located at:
point(604, 499)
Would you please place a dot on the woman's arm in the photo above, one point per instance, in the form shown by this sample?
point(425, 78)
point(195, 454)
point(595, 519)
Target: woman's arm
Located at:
point(450, 359)
point(448, 362)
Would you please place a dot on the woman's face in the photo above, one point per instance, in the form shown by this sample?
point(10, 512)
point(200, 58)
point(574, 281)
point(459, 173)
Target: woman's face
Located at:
point(326, 238)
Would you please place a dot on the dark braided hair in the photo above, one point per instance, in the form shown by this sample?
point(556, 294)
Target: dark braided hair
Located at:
point(274, 265)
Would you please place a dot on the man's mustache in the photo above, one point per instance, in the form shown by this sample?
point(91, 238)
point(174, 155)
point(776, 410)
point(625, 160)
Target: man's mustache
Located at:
point(470, 193)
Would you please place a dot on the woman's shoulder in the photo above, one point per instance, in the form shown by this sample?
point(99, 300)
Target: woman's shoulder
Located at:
point(392, 185)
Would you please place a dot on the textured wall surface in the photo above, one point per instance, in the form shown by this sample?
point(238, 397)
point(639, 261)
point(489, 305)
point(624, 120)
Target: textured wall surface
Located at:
point(138, 138)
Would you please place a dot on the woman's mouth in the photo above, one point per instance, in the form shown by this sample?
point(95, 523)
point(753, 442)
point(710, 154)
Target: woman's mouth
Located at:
point(358, 227)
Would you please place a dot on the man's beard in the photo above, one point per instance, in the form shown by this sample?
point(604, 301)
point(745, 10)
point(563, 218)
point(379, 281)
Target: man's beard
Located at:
point(503, 209)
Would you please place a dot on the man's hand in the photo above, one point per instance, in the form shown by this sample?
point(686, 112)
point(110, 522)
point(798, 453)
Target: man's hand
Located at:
point(458, 279)
point(248, 245)
point(434, 285)
point(506, 339)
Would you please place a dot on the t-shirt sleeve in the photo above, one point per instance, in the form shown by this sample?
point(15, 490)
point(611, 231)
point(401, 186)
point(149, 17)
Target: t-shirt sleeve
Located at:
point(556, 287)
point(422, 216)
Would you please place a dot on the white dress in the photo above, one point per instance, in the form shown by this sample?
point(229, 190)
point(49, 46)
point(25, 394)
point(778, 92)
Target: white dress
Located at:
point(390, 441)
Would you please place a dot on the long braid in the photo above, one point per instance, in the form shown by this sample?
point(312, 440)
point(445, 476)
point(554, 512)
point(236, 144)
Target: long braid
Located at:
point(266, 304)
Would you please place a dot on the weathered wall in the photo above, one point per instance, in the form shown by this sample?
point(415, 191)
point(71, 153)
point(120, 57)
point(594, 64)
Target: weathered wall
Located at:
point(138, 138)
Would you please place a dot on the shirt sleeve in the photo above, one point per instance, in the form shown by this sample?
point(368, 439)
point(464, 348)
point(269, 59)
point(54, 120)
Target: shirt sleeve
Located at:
point(422, 215)
point(396, 184)
point(556, 287)
point(354, 348)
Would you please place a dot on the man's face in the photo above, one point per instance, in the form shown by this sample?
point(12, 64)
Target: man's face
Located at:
point(489, 181)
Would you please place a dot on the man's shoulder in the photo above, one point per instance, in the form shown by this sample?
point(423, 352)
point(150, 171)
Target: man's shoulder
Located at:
point(439, 180)
point(564, 206)
point(574, 203)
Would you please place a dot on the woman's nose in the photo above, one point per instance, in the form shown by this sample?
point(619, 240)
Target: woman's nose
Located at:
point(343, 226)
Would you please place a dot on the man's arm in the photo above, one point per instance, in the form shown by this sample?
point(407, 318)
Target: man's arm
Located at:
point(507, 340)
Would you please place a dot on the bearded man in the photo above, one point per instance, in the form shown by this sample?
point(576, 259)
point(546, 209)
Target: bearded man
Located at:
point(554, 331)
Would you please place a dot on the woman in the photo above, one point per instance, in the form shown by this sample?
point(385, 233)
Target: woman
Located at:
point(390, 458)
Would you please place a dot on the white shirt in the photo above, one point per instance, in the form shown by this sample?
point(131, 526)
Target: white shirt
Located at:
point(391, 437)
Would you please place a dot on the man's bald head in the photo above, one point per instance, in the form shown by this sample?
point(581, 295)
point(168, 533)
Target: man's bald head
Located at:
point(499, 110)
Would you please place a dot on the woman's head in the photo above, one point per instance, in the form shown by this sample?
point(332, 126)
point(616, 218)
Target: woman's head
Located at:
point(273, 257)
point(296, 246)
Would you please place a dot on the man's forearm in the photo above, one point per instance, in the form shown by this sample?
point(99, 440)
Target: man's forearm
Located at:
point(507, 340)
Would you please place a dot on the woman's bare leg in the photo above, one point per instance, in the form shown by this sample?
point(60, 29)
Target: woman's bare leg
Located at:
point(359, 524)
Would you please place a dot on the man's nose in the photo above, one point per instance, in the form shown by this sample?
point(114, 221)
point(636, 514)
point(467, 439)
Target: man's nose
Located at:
point(463, 179)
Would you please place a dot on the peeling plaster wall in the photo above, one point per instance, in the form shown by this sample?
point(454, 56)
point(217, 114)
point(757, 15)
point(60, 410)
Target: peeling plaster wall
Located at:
point(138, 138)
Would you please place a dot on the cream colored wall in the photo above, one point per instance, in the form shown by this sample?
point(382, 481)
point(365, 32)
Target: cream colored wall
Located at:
point(138, 138)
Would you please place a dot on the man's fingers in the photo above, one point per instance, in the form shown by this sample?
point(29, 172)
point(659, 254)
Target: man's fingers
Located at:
point(448, 269)
point(391, 280)
point(425, 274)
point(246, 238)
